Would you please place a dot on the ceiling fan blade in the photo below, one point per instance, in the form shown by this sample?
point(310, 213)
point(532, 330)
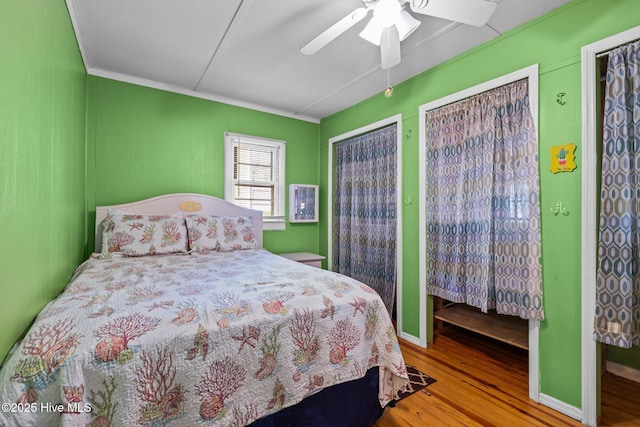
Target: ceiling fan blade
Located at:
point(389, 47)
point(334, 31)
point(471, 12)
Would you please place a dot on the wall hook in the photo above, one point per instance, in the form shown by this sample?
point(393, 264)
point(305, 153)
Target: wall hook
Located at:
point(408, 135)
point(408, 201)
point(560, 99)
point(559, 209)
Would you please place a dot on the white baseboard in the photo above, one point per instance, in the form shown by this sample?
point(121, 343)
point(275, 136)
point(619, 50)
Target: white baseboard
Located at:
point(560, 406)
point(412, 339)
point(623, 371)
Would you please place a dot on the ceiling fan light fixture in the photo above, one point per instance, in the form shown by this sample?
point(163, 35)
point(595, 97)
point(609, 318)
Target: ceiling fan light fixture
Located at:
point(386, 15)
point(406, 24)
point(387, 12)
point(373, 31)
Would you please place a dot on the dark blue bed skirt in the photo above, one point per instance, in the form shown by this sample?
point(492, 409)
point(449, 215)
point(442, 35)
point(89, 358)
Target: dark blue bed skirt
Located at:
point(350, 404)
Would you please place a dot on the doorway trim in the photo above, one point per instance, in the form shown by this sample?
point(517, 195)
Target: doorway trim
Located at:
point(530, 73)
point(590, 76)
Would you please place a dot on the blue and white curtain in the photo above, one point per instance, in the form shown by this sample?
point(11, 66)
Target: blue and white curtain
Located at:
point(365, 210)
point(482, 203)
point(617, 319)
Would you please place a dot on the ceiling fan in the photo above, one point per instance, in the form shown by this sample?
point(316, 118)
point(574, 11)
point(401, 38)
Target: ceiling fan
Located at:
point(391, 24)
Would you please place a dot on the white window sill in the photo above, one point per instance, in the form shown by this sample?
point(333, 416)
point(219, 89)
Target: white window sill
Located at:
point(273, 225)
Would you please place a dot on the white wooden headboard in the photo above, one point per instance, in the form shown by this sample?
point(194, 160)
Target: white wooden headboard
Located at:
point(188, 203)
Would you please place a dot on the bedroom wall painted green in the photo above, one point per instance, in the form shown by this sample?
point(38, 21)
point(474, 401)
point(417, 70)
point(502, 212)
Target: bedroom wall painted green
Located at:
point(145, 142)
point(42, 137)
point(554, 42)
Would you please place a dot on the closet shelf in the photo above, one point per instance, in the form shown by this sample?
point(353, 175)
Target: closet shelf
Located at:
point(509, 329)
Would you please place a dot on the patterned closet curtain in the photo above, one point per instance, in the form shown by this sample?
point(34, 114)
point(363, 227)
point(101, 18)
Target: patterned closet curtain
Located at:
point(617, 319)
point(364, 217)
point(482, 204)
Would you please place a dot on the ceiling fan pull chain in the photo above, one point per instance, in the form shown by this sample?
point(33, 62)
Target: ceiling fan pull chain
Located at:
point(389, 90)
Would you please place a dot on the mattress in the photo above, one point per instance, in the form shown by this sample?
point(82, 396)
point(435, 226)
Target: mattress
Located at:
point(220, 339)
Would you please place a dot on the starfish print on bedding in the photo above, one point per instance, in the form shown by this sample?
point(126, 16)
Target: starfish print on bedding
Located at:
point(249, 334)
point(359, 304)
point(135, 226)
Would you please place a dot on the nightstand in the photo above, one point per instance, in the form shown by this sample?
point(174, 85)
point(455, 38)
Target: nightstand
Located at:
point(308, 258)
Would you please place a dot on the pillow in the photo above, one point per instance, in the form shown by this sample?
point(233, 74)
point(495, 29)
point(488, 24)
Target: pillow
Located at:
point(220, 233)
point(137, 235)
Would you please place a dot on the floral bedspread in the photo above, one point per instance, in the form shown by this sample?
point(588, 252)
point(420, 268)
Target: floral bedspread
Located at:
point(218, 339)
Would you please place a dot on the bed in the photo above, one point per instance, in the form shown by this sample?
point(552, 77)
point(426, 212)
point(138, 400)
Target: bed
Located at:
point(180, 317)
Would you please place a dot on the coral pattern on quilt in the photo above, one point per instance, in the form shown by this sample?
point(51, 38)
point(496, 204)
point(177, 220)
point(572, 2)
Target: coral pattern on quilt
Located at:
point(220, 233)
point(137, 235)
point(218, 339)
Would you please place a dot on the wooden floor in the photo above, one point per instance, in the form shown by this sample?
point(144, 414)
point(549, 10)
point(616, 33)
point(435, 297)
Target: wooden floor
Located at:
point(620, 402)
point(483, 382)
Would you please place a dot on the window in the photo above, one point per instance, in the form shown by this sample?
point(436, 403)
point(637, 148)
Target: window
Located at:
point(254, 176)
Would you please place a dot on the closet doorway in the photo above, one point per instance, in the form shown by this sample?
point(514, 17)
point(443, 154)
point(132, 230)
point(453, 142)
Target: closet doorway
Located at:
point(591, 370)
point(426, 302)
point(365, 208)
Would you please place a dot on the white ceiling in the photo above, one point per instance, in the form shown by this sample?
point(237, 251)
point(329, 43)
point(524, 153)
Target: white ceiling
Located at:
point(247, 52)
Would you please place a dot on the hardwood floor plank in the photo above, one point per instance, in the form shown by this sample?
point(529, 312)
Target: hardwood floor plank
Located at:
point(620, 402)
point(424, 410)
point(480, 382)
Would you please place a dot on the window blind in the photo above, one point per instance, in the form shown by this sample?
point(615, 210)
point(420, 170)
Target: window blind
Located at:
point(258, 175)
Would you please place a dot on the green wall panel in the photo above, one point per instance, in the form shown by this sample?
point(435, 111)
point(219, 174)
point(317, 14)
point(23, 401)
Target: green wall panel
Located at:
point(560, 337)
point(42, 158)
point(146, 142)
point(553, 41)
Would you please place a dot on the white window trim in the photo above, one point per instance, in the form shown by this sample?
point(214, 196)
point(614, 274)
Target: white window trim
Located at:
point(278, 221)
